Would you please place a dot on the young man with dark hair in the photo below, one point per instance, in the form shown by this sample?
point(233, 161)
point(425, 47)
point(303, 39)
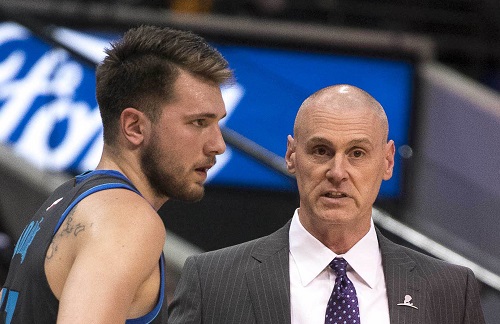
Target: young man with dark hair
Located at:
point(93, 252)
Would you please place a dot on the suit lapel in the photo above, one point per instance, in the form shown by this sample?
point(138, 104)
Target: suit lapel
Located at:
point(405, 288)
point(269, 281)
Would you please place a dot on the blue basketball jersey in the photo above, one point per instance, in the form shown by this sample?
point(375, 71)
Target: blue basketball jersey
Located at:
point(26, 295)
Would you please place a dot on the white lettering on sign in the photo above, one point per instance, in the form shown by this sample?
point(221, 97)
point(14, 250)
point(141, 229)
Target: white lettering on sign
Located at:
point(42, 114)
point(51, 128)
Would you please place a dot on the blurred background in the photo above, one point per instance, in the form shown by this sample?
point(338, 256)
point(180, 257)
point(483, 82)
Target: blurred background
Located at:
point(433, 65)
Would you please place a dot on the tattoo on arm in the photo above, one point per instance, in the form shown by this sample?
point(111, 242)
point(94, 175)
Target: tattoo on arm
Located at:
point(52, 250)
point(71, 227)
point(68, 229)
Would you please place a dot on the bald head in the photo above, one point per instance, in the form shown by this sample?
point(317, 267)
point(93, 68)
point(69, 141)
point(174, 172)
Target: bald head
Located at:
point(341, 98)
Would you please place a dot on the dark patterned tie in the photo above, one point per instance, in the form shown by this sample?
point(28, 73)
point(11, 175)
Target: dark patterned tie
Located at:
point(343, 305)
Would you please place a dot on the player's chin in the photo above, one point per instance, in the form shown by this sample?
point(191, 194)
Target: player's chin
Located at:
point(196, 192)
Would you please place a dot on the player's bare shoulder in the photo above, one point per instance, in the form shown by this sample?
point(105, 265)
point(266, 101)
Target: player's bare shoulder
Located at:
point(122, 215)
point(102, 221)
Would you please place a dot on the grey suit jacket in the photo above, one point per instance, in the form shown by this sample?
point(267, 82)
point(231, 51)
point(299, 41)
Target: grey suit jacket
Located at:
point(250, 283)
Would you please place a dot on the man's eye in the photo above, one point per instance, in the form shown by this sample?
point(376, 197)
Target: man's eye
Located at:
point(320, 151)
point(199, 122)
point(357, 153)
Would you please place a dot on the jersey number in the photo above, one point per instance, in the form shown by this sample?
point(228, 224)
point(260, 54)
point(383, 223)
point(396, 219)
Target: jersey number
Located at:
point(9, 301)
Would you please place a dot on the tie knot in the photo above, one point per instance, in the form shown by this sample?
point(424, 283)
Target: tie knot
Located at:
point(339, 265)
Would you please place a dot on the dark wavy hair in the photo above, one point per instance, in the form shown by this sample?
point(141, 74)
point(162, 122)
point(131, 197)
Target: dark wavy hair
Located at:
point(140, 71)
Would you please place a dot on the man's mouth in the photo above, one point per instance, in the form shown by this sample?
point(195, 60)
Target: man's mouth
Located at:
point(204, 168)
point(335, 194)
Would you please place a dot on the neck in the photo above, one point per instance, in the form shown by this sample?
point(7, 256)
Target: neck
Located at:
point(340, 242)
point(338, 237)
point(130, 167)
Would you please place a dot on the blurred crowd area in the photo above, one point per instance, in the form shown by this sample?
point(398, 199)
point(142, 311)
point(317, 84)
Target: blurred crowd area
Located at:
point(466, 32)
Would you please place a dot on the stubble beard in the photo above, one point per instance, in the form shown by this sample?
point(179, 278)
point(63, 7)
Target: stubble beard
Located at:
point(166, 178)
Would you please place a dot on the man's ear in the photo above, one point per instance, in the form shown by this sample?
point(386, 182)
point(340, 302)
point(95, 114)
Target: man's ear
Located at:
point(133, 123)
point(290, 154)
point(390, 151)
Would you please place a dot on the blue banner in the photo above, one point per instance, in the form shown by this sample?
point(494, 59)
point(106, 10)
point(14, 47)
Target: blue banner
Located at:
point(50, 116)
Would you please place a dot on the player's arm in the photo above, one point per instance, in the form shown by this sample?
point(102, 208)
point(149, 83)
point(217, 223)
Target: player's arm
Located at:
point(116, 256)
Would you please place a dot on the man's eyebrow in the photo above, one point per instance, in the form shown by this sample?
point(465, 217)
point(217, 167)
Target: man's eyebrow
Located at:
point(205, 115)
point(319, 140)
point(359, 141)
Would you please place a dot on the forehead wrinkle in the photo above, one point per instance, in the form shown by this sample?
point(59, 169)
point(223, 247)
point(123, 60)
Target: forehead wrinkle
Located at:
point(330, 124)
point(351, 143)
point(324, 120)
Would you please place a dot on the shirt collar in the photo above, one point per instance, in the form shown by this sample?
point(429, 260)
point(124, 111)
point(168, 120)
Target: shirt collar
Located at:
point(364, 257)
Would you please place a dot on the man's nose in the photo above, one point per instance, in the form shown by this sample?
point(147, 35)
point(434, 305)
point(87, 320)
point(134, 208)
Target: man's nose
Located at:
point(216, 145)
point(337, 171)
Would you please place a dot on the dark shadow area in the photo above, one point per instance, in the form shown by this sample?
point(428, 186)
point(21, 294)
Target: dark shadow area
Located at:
point(228, 216)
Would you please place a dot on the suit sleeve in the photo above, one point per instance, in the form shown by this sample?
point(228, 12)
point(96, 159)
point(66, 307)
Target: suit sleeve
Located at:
point(186, 304)
point(473, 310)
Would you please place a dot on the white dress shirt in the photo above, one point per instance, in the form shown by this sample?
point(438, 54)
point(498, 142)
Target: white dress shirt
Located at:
point(312, 280)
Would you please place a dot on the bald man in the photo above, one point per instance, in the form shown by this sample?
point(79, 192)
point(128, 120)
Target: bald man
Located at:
point(329, 264)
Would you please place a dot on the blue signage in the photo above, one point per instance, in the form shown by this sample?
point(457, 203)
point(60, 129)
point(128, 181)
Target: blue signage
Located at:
point(50, 116)
point(276, 81)
point(48, 109)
